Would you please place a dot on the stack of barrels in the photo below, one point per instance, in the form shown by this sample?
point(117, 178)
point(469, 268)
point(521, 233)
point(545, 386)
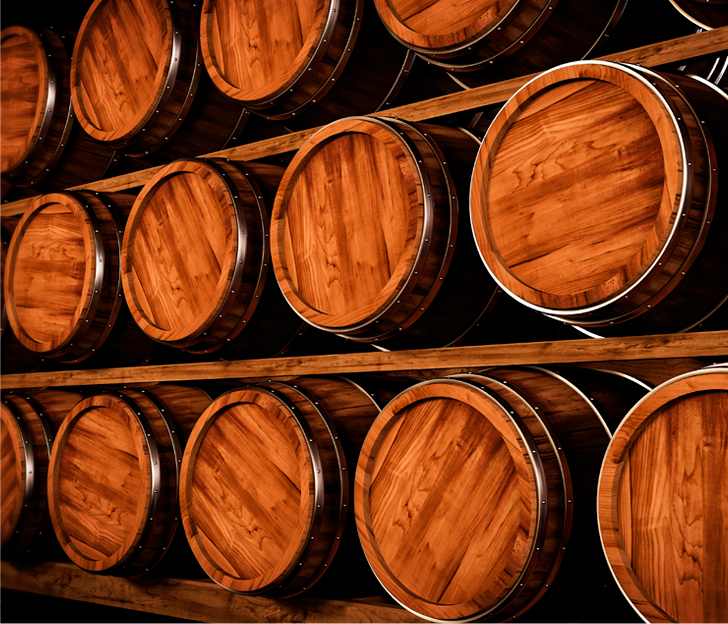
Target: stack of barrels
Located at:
point(596, 201)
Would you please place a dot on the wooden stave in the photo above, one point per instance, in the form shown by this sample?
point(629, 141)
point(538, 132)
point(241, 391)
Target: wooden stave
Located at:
point(608, 317)
point(164, 415)
point(100, 217)
point(37, 417)
point(344, 411)
point(651, 407)
point(508, 46)
point(412, 312)
point(524, 382)
point(324, 93)
point(165, 131)
point(61, 154)
point(251, 319)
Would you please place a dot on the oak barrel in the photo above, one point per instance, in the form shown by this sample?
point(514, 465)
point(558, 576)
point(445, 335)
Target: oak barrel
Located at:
point(663, 500)
point(368, 239)
point(195, 260)
point(42, 143)
point(598, 198)
point(138, 81)
point(307, 63)
point(704, 13)
point(29, 422)
point(265, 486)
point(474, 494)
point(114, 476)
point(62, 285)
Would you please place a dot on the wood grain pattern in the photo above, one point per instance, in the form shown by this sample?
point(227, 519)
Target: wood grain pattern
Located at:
point(661, 53)
point(112, 482)
point(662, 500)
point(264, 485)
point(625, 245)
point(464, 493)
point(182, 598)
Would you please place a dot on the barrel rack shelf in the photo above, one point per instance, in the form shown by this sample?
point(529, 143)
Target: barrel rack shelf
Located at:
point(659, 357)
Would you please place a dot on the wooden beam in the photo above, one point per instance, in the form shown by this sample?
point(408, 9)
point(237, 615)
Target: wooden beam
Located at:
point(674, 50)
point(693, 345)
point(202, 601)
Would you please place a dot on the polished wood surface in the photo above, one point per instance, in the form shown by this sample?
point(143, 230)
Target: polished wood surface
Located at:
point(605, 225)
point(29, 422)
point(466, 490)
point(264, 484)
point(120, 64)
point(662, 501)
point(112, 482)
point(24, 94)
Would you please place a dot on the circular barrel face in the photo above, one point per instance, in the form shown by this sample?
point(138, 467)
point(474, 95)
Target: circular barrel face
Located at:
point(101, 482)
point(24, 88)
point(663, 501)
point(448, 24)
point(447, 500)
point(14, 473)
point(704, 14)
point(180, 251)
point(348, 223)
point(581, 188)
point(51, 271)
point(122, 60)
point(250, 483)
point(255, 51)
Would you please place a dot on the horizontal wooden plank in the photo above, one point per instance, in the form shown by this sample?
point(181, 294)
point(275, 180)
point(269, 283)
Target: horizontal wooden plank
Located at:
point(703, 344)
point(202, 601)
point(654, 55)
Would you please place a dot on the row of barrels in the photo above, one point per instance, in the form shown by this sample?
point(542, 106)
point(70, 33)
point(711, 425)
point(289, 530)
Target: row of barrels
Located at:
point(596, 200)
point(161, 79)
point(492, 495)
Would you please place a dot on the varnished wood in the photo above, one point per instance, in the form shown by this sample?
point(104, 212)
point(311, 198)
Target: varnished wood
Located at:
point(203, 600)
point(265, 484)
point(466, 491)
point(662, 501)
point(603, 238)
point(703, 14)
point(113, 476)
point(649, 56)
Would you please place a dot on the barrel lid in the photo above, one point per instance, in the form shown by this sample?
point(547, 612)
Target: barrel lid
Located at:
point(248, 490)
point(101, 481)
point(24, 96)
point(180, 250)
point(446, 24)
point(122, 60)
point(348, 221)
point(663, 500)
point(579, 185)
point(706, 14)
point(255, 51)
point(13, 471)
point(446, 500)
point(51, 272)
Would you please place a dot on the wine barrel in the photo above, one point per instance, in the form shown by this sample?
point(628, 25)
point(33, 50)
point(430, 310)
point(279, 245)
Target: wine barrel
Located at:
point(42, 144)
point(366, 237)
point(138, 83)
point(308, 63)
point(597, 198)
point(265, 486)
point(663, 500)
point(704, 13)
point(113, 476)
point(474, 494)
point(62, 284)
point(195, 256)
point(29, 423)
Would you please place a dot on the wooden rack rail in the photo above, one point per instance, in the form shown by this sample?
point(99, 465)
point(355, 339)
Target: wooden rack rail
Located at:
point(204, 600)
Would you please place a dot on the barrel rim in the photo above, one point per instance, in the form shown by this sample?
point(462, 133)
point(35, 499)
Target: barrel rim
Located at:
point(529, 90)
